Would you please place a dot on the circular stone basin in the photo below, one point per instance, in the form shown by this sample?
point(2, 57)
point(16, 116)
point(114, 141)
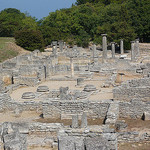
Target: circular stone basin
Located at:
point(42, 89)
point(28, 95)
point(89, 88)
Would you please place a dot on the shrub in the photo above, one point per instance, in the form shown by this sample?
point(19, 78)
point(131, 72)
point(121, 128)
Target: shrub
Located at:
point(29, 39)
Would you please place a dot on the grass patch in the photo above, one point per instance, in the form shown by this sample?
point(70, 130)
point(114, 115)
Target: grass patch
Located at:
point(7, 51)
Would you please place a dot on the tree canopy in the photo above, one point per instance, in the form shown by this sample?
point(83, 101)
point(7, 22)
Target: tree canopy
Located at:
point(12, 20)
point(120, 19)
point(85, 22)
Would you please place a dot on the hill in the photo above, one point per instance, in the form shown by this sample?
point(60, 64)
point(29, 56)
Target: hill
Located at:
point(8, 48)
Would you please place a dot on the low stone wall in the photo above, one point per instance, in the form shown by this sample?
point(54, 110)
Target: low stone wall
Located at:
point(4, 100)
point(139, 88)
point(27, 135)
point(90, 140)
point(133, 137)
point(6, 103)
point(28, 81)
point(133, 109)
point(64, 109)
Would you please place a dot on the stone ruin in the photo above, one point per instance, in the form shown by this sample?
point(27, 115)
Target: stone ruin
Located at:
point(75, 98)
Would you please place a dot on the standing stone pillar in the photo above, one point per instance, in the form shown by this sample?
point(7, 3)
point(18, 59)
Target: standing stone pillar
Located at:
point(137, 47)
point(61, 46)
point(80, 81)
point(132, 51)
point(54, 49)
point(65, 47)
point(84, 120)
point(104, 45)
point(75, 121)
point(72, 66)
point(121, 46)
point(113, 49)
point(94, 51)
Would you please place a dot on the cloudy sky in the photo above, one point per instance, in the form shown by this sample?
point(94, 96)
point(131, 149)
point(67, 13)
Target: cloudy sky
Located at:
point(36, 8)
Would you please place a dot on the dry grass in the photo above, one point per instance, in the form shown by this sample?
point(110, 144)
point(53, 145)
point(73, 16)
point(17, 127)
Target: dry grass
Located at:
point(69, 121)
point(137, 124)
point(8, 49)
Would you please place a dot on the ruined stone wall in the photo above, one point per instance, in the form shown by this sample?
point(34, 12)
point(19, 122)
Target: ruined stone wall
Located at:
point(133, 136)
point(89, 140)
point(28, 135)
point(6, 103)
point(64, 109)
point(133, 109)
point(4, 100)
point(138, 88)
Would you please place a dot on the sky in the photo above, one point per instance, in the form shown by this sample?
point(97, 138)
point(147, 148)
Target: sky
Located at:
point(36, 8)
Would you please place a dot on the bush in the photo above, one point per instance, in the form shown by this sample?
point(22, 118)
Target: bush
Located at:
point(29, 39)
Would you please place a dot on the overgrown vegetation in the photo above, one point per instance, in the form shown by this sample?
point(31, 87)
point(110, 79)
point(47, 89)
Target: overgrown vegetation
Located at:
point(82, 23)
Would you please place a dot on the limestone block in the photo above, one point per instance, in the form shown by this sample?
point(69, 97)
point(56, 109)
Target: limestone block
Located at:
point(15, 141)
point(7, 80)
point(75, 121)
point(17, 112)
point(89, 88)
point(63, 92)
point(81, 95)
point(123, 56)
point(84, 120)
point(139, 71)
point(146, 116)
point(71, 143)
point(28, 95)
point(143, 66)
point(120, 125)
point(80, 81)
point(96, 143)
point(13, 145)
point(42, 89)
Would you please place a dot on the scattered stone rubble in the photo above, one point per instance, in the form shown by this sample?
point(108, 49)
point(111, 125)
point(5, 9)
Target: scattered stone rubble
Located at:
point(131, 98)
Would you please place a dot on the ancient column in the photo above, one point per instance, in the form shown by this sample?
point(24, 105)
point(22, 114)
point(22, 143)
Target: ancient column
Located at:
point(61, 46)
point(54, 49)
point(113, 49)
point(137, 47)
point(72, 66)
point(132, 51)
point(84, 120)
point(75, 121)
point(94, 51)
point(121, 47)
point(104, 45)
point(65, 47)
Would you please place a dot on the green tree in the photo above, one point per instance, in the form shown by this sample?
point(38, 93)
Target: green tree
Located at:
point(29, 23)
point(29, 39)
point(139, 11)
point(10, 21)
